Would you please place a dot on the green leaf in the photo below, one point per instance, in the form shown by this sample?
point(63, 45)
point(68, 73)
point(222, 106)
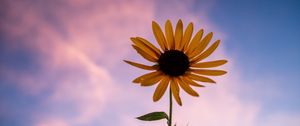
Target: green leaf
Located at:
point(153, 116)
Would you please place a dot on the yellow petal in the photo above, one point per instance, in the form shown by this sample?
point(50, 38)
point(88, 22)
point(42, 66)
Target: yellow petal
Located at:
point(149, 45)
point(142, 66)
point(175, 91)
point(145, 55)
point(178, 34)
point(144, 47)
point(209, 72)
point(187, 36)
point(145, 76)
point(159, 36)
point(195, 41)
point(161, 88)
point(209, 64)
point(200, 78)
point(169, 35)
point(203, 44)
point(207, 52)
point(186, 87)
point(191, 82)
point(151, 81)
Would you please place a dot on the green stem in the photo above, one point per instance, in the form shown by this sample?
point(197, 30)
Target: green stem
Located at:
point(170, 110)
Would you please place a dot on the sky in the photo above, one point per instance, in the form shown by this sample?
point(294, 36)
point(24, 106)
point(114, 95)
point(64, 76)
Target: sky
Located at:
point(61, 62)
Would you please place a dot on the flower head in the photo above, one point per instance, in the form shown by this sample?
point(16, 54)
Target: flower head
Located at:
point(179, 62)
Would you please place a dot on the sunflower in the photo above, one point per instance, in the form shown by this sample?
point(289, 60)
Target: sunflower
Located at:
point(179, 62)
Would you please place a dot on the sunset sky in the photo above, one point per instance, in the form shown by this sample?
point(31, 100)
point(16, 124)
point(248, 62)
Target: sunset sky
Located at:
point(61, 62)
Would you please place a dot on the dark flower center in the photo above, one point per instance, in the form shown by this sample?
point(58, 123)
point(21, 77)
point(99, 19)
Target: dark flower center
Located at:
point(173, 62)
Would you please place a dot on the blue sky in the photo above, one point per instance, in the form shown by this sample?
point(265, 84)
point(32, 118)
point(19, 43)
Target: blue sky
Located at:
point(265, 32)
point(61, 62)
point(264, 37)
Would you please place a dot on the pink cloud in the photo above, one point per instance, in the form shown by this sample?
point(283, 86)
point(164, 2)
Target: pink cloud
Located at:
point(282, 118)
point(92, 37)
point(52, 122)
point(77, 59)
